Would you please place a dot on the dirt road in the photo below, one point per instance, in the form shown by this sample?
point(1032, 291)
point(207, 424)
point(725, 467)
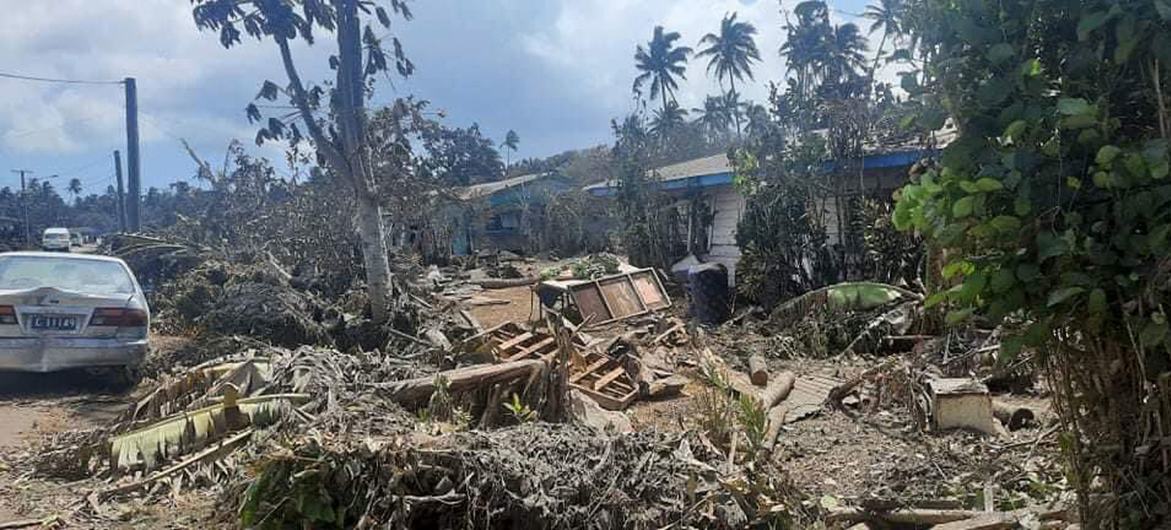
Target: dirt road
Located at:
point(32, 405)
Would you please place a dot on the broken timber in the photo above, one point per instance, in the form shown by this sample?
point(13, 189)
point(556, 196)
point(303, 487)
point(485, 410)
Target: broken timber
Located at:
point(418, 390)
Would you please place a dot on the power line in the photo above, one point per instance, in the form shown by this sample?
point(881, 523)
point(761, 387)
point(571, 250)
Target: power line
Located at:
point(63, 81)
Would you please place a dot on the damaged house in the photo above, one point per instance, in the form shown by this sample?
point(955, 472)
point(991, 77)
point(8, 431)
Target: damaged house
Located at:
point(500, 215)
point(712, 206)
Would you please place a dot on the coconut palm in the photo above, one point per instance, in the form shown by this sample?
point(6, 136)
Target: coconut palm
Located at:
point(661, 62)
point(732, 53)
point(668, 120)
point(805, 46)
point(74, 188)
point(510, 144)
point(887, 15)
point(714, 117)
point(846, 53)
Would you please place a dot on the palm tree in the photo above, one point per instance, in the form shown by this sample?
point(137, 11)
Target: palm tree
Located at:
point(660, 63)
point(732, 53)
point(805, 46)
point(714, 117)
point(74, 188)
point(510, 143)
point(846, 52)
point(668, 120)
point(887, 15)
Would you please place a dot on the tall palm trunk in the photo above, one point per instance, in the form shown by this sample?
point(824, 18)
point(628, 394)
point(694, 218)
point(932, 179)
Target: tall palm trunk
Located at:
point(735, 109)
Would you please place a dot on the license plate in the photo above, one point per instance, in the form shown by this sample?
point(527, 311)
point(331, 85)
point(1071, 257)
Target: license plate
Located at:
point(53, 322)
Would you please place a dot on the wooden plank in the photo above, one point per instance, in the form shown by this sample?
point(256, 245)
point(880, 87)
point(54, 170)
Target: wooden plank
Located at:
point(589, 301)
point(610, 376)
point(530, 349)
point(621, 297)
point(508, 344)
point(590, 369)
point(605, 302)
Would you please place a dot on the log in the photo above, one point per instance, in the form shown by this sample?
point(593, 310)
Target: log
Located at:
point(758, 370)
point(504, 283)
point(777, 390)
point(418, 390)
point(738, 381)
point(1011, 416)
point(919, 517)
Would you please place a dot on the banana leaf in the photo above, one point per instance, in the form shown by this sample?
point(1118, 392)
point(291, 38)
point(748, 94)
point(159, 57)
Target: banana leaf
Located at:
point(183, 433)
point(848, 296)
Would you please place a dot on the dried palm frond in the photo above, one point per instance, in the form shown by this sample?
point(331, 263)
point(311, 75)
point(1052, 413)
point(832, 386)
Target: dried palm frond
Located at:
point(190, 431)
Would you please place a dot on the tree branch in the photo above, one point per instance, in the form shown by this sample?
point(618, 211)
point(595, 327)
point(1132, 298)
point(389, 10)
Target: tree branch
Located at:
point(301, 100)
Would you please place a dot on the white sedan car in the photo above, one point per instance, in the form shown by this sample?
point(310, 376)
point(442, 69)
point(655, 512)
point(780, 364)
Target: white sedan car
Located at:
point(62, 311)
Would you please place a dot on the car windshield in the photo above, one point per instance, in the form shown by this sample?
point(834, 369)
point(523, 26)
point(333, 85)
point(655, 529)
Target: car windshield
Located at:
point(70, 274)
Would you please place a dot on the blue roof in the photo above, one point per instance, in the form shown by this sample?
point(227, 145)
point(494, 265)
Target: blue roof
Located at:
point(724, 177)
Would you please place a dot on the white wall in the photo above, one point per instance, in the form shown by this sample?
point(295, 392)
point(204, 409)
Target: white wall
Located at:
point(727, 208)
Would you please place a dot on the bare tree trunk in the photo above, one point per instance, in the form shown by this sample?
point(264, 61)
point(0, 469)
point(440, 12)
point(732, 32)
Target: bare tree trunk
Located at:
point(356, 152)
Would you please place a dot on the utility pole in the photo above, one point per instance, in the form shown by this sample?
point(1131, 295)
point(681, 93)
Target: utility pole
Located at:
point(28, 238)
point(133, 188)
point(121, 209)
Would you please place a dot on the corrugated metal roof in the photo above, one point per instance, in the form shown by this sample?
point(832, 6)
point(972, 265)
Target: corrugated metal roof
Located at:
point(491, 188)
point(698, 167)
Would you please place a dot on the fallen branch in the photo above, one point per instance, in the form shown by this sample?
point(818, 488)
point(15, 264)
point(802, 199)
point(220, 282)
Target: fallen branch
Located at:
point(499, 283)
point(414, 391)
point(758, 370)
point(844, 389)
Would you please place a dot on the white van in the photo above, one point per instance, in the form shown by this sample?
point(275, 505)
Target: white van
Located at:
point(56, 239)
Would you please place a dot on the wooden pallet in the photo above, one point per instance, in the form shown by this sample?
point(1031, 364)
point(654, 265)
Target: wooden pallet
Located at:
point(597, 375)
point(604, 379)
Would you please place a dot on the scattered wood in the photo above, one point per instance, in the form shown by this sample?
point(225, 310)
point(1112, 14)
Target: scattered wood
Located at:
point(777, 390)
point(677, 328)
point(666, 387)
point(845, 389)
point(908, 516)
point(1013, 417)
point(758, 370)
point(504, 283)
point(26, 523)
point(479, 301)
point(418, 390)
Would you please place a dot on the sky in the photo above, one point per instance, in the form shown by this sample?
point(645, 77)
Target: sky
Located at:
point(555, 71)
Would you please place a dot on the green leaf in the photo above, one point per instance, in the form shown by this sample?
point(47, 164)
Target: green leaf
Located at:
point(909, 83)
point(935, 299)
point(1089, 23)
point(1074, 107)
point(1002, 280)
point(1160, 169)
point(963, 207)
point(987, 184)
point(1097, 303)
point(1015, 129)
point(955, 268)
point(1107, 154)
point(1049, 245)
point(1006, 224)
point(955, 317)
point(1063, 294)
point(1103, 179)
point(1000, 53)
point(1028, 272)
point(1073, 183)
point(1153, 333)
point(1079, 121)
point(1021, 206)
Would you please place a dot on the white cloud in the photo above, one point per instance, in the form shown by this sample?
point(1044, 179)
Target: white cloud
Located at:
point(183, 75)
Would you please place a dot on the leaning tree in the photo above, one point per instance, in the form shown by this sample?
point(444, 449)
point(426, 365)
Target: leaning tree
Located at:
point(333, 116)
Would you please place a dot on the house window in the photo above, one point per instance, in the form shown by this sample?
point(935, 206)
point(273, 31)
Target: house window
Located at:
point(504, 222)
